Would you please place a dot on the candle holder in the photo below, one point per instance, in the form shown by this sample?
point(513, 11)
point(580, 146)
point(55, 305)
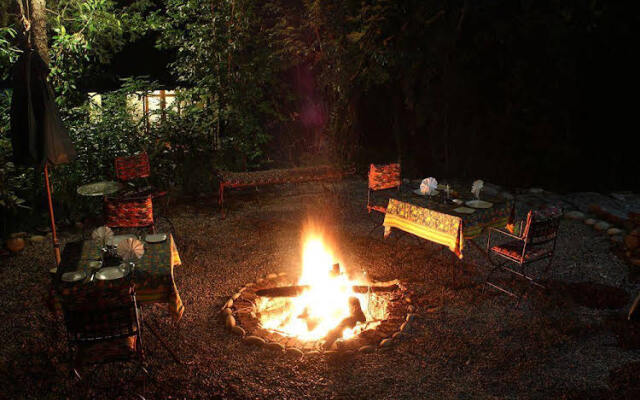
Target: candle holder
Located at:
point(110, 257)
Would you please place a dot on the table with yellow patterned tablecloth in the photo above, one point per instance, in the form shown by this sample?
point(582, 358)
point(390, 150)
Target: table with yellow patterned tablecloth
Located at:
point(435, 221)
point(152, 276)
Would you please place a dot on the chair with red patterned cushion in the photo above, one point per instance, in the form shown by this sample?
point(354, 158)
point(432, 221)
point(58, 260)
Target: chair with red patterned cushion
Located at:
point(129, 212)
point(136, 167)
point(383, 178)
point(135, 171)
point(103, 325)
point(536, 242)
point(133, 167)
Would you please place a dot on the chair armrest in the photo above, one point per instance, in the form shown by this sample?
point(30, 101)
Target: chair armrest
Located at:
point(500, 231)
point(156, 194)
point(505, 233)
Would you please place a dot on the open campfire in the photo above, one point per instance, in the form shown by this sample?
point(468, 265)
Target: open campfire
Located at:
point(326, 308)
point(325, 304)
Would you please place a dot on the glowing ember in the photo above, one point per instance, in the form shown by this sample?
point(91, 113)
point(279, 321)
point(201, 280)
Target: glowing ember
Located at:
point(324, 304)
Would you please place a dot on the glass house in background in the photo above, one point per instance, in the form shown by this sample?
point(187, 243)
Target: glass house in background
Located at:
point(151, 106)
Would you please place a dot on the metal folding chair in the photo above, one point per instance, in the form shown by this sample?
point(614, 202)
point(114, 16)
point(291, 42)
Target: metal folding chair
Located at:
point(129, 212)
point(382, 179)
point(133, 169)
point(103, 325)
point(536, 242)
point(129, 169)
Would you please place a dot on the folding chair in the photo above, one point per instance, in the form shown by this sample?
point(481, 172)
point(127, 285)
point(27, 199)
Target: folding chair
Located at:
point(129, 212)
point(103, 325)
point(536, 242)
point(133, 169)
point(382, 179)
point(129, 169)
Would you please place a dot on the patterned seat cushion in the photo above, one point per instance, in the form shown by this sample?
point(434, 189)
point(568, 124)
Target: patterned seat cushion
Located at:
point(128, 212)
point(384, 176)
point(287, 175)
point(128, 168)
point(513, 250)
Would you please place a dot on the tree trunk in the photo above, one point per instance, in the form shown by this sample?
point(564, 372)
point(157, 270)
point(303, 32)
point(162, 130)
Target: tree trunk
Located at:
point(38, 19)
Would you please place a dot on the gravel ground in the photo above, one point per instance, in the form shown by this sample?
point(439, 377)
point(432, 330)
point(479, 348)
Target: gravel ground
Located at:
point(464, 344)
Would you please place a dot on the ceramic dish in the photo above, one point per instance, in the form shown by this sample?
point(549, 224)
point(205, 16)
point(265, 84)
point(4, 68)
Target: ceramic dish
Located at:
point(109, 273)
point(457, 201)
point(73, 276)
point(464, 210)
point(419, 193)
point(125, 268)
point(479, 204)
point(99, 188)
point(95, 264)
point(156, 238)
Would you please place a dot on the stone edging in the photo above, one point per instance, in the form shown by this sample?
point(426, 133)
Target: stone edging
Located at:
point(239, 317)
point(629, 241)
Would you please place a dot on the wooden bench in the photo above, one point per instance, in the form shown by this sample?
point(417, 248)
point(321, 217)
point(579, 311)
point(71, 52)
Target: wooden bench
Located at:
point(230, 179)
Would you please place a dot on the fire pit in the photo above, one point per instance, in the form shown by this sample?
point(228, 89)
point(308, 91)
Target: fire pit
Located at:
point(322, 310)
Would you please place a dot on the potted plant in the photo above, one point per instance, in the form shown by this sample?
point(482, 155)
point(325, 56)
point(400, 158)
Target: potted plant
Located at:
point(10, 203)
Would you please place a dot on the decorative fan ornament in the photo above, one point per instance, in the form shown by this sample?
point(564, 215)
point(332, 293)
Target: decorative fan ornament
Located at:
point(477, 187)
point(130, 249)
point(428, 185)
point(102, 235)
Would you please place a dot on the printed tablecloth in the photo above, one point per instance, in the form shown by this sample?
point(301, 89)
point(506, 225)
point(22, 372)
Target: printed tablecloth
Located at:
point(152, 276)
point(437, 222)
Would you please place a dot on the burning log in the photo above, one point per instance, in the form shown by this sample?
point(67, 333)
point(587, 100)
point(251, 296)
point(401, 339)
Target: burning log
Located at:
point(356, 315)
point(293, 291)
point(282, 291)
point(375, 289)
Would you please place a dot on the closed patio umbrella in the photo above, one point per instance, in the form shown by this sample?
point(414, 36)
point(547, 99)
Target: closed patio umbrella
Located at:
point(38, 136)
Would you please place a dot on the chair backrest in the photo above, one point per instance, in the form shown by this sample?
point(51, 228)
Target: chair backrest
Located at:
point(133, 167)
point(97, 313)
point(128, 212)
point(542, 225)
point(385, 176)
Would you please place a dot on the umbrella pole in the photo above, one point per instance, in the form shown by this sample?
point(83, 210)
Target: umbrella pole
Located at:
point(54, 236)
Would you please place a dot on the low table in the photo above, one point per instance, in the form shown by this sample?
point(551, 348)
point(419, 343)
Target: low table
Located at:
point(153, 274)
point(432, 220)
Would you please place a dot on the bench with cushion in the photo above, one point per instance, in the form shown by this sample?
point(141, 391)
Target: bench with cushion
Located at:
point(230, 179)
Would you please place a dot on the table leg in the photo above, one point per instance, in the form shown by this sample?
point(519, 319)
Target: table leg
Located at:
point(221, 199)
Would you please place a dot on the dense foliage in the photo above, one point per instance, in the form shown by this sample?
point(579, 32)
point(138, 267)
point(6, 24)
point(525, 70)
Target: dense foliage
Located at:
point(510, 91)
point(446, 86)
point(84, 36)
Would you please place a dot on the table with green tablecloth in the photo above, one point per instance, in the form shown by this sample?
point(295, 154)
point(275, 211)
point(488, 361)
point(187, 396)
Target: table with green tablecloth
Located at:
point(152, 275)
point(433, 219)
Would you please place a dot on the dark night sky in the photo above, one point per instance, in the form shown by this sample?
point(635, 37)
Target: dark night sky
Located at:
point(136, 59)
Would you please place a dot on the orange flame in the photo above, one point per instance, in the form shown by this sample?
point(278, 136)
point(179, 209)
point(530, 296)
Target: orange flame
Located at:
point(320, 308)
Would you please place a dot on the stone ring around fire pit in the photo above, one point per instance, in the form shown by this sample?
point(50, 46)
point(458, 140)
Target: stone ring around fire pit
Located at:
point(388, 314)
